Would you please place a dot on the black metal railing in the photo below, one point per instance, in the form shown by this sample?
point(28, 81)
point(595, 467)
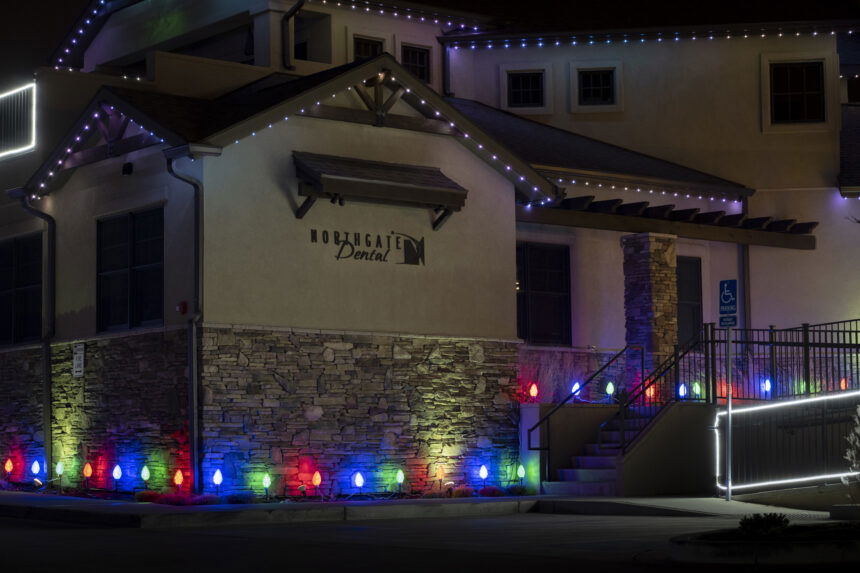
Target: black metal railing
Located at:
point(681, 376)
point(545, 419)
point(770, 364)
point(792, 443)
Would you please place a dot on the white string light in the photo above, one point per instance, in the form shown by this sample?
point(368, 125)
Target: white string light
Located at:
point(411, 14)
point(624, 38)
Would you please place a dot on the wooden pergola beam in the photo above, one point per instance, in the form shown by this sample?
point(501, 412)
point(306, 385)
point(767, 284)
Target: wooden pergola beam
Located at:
point(630, 224)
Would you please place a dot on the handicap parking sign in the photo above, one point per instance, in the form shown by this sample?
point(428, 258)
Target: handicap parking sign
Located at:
point(728, 297)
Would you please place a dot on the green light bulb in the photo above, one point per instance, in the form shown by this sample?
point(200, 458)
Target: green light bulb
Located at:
point(610, 389)
point(60, 469)
point(400, 477)
point(144, 474)
point(267, 481)
point(521, 471)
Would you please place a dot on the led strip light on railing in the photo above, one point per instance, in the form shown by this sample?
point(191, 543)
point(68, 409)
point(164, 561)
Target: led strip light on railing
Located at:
point(787, 481)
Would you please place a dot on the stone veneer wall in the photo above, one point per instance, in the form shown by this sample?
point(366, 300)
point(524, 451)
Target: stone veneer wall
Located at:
point(21, 436)
point(651, 294)
point(129, 408)
point(291, 402)
point(555, 370)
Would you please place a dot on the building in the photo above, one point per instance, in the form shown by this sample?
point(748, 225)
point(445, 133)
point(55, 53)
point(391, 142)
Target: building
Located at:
point(287, 237)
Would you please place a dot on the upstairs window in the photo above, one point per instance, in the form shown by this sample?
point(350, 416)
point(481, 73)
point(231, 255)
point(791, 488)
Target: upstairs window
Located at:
point(797, 92)
point(131, 270)
point(543, 294)
point(312, 37)
point(596, 87)
point(21, 289)
point(417, 61)
point(525, 89)
point(364, 48)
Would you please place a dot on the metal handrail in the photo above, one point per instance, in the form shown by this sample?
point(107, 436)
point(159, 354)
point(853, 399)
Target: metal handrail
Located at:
point(571, 396)
point(638, 391)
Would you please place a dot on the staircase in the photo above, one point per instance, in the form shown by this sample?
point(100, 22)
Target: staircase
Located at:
point(595, 471)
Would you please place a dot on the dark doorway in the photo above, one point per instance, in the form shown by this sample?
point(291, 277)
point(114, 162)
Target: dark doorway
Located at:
point(689, 298)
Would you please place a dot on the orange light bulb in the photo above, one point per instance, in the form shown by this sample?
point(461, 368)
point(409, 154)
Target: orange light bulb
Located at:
point(9, 466)
point(440, 472)
point(88, 470)
point(178, 478)
point(533, 390)
point(316, 479)
point(843, 384)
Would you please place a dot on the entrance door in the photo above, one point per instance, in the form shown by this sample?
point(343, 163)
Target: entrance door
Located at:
point(689, 298)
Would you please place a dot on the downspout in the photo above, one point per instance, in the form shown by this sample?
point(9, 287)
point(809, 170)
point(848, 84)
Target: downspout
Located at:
point(285, 34)
point(744, 274)
point(171, 155)
point(49, 323)
point(446, 71)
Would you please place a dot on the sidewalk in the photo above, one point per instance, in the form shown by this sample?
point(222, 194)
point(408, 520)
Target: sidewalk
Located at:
point(101, 513)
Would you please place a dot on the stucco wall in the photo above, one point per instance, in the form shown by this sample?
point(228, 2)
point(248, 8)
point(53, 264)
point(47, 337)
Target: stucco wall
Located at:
point(792, 287)
point(597, 278)
point(262, 268)
point(100, 190)
point(697, 103)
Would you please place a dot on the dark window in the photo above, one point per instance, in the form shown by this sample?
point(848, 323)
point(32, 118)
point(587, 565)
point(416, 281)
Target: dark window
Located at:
point(21, 289)
point(797, 92)
point(689, 298)
point(596, 87)
point(543, 293)
point(312, 36)
point(417, 61)
point(525, 89)
point(366, 48)
point(131, 270)
point(854, 90)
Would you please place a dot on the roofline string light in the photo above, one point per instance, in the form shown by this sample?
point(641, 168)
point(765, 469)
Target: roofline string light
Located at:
point(646, 189)
point(412, 14)
point(632, 38)
point(79, 32)
point(76, 142)
point(516, 176)
point(786, 404)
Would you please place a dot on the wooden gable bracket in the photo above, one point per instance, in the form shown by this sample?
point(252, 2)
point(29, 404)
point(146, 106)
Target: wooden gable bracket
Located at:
point(377, 103)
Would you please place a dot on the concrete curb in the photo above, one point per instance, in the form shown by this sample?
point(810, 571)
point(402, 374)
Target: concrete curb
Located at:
point(97, 513)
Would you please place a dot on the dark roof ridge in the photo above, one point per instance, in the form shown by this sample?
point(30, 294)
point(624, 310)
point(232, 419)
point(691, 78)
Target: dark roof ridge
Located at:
point(598, 141)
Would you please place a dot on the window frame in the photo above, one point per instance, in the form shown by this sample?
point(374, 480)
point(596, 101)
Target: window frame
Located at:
point(133, 297)
point(15, 290)
point(428, 50)
point(529, 67)
point(616, 66)
point(830, 70)
point(367, 38)
point(525, 309)
point(821, 93)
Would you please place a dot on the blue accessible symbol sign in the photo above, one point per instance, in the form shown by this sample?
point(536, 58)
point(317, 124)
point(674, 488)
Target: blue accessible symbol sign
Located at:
point(729, 297)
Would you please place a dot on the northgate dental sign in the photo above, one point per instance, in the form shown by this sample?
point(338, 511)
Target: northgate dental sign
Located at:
point(394, 247)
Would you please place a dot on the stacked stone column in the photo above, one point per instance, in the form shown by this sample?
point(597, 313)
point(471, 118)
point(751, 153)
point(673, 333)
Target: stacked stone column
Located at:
point(650, 297)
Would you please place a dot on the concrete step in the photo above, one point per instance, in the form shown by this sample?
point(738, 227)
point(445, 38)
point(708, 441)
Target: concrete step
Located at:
point(580, 488)
point(587, 475)
point(605, 449)
point(629, 423)
point(614, 437)
point(594, 462)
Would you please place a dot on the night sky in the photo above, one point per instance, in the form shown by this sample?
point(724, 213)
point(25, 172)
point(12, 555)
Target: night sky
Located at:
point(31, 30)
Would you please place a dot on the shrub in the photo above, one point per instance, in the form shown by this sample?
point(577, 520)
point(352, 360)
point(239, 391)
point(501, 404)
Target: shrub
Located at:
point(491, 491)
point(519, 490)
point(244, 497)
point(175, 499)
point(435, 495)
point(147, 496)
point(852, 455)
point(763, 524)
point(463, 491)
point(207, 499)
